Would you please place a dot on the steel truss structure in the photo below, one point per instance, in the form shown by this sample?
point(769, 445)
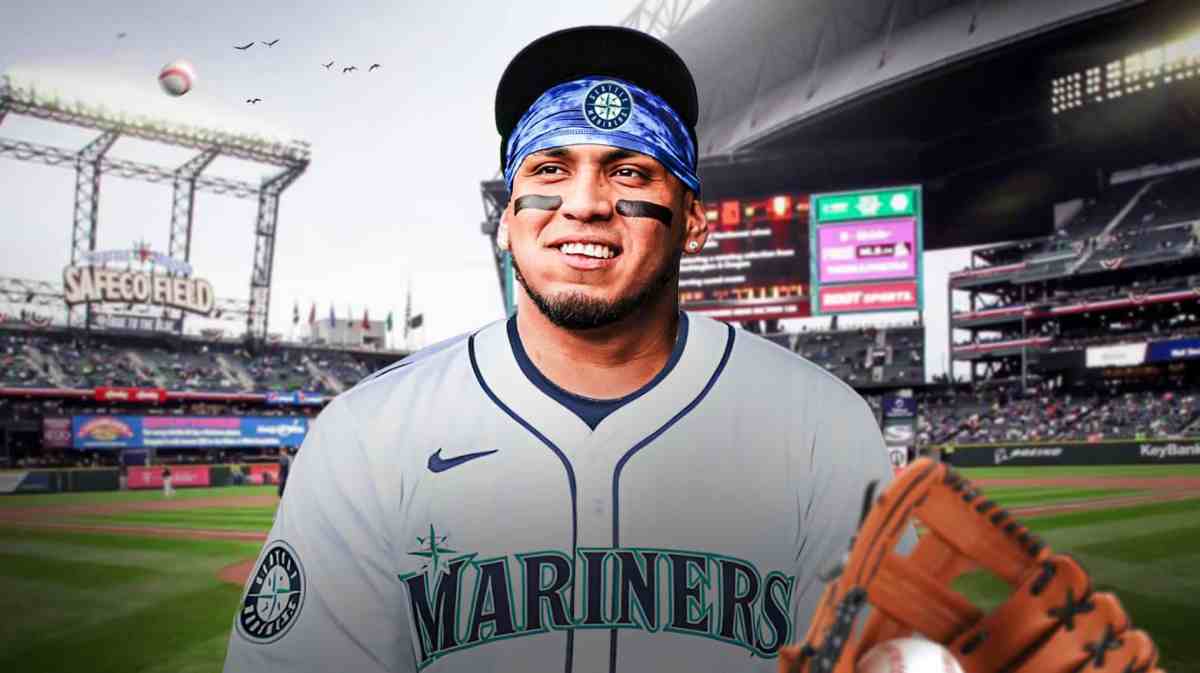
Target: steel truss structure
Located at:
point(289, 160)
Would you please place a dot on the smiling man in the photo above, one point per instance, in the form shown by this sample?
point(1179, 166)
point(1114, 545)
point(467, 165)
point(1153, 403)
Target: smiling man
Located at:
point(598, 483)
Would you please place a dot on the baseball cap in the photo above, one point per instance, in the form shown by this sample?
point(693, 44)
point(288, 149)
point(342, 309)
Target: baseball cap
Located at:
point(605, 51)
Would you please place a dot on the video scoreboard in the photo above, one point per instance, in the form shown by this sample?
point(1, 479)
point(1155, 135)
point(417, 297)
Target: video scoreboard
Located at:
point(866, 251)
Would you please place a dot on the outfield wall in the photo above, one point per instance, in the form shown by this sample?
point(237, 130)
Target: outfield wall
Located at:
point(137, 478)
point(1112, 452)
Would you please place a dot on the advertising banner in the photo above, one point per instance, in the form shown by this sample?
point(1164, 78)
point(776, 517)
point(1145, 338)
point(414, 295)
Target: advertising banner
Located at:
point(108, 432)
point(1123, 355)
point(871, 250)
point(1131, 452)
point(893, 296)
point(310, 399)
point(149, 395)
point(860, 205)
point(264, 474)
point(56, 432)
point(182, 476)
point(895, 406)
point(1175, 349)
point(281, 398)
point(27, 482)
point(866, 251)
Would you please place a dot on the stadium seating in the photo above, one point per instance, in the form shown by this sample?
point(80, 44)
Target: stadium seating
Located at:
point(62, 360)
point(984, 417)
point(867, 356)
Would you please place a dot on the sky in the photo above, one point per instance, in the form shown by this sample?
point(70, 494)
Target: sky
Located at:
point(391, 199)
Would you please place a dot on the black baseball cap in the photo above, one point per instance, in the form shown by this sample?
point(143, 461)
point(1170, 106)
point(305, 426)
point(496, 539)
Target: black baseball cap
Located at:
point(603, 51)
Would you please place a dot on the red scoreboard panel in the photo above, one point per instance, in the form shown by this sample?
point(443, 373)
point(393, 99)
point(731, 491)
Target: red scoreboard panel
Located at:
point(755, 264)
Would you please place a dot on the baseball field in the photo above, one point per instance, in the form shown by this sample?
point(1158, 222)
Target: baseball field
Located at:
point(133, 582)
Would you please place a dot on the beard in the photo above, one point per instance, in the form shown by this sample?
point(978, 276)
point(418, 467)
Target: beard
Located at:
point(577, 311)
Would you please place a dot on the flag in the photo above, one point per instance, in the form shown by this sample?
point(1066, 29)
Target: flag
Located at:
point(350, 317)
point(408, 311)
point(416, 321)
point(332, 318)
point(296, 313)
point(366, 320)
point(389, 321)
point(312, 314)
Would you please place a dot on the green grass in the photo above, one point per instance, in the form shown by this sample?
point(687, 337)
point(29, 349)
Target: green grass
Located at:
point(1012, 497)
point(104, 497)
point(1149, 556)
point(250, 518)
point(1055, 471)
point(113, 603)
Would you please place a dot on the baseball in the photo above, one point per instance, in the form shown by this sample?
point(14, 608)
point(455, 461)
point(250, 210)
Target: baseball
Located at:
point(908, 655)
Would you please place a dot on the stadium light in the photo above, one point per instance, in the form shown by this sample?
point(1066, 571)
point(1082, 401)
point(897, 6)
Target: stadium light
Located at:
point(1135, 73)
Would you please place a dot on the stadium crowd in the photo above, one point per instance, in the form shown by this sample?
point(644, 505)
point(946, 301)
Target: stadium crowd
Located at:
point(1001, 416)
point(40, 360)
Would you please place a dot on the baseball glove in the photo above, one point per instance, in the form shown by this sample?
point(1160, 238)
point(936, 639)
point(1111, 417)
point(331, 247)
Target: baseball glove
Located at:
point(1051, 623)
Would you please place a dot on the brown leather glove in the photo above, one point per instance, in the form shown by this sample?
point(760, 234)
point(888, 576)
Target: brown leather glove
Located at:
point(1051, 623)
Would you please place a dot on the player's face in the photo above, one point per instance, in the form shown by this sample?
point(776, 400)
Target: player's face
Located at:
point(593, 249)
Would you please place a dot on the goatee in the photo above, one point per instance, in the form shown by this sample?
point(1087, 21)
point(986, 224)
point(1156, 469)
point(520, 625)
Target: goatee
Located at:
point(575, 310)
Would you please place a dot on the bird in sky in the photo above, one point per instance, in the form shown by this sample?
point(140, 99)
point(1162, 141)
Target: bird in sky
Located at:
point(121, 36)
point(327, 65)
point(244, 47)
point(374, 66)
point(349, 68)
point(252, 101)
point(271, 43)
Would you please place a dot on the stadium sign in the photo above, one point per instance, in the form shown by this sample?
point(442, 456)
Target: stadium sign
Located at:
point(1111, 452)
point(93, 282)
point(89, 284)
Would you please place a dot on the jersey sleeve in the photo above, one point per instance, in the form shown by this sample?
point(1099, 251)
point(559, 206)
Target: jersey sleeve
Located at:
point(847, 453)
point(323, 596)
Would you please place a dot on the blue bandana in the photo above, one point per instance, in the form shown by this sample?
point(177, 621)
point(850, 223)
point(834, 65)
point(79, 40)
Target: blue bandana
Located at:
point(604, 111)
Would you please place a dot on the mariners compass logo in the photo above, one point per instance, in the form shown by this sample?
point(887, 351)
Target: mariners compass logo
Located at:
point(274, 597)
point(607, 106)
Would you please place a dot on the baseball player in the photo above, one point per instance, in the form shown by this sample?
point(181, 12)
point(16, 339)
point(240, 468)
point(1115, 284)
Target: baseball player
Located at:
point(598, 483)
point(285, 466)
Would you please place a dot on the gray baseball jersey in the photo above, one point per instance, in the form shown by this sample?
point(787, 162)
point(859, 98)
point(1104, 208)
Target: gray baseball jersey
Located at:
point(458, 512)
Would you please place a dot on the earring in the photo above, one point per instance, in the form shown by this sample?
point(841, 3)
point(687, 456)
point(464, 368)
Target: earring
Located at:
point(693, 246)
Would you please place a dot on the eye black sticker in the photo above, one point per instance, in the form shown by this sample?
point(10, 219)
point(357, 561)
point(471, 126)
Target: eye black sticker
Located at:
point(537, 202)
point(645, 209)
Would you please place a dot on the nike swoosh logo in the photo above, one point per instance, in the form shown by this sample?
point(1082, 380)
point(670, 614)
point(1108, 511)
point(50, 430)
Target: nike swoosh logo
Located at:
point(439, 464)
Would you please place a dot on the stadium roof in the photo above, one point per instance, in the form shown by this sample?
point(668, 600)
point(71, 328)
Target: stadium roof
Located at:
point(766, 65)
point(954, 95)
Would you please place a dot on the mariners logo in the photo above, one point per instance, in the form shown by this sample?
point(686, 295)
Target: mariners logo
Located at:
point(607, 106)
point(274, 597)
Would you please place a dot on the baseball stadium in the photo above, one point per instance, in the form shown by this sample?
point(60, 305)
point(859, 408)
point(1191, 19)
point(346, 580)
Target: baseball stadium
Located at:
point(149, 416)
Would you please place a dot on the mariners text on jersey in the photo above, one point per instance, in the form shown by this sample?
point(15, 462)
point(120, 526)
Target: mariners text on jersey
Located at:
point(685, 592)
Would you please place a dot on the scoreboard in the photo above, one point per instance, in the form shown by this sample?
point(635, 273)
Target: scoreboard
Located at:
point(754, 262)
point(866, 251)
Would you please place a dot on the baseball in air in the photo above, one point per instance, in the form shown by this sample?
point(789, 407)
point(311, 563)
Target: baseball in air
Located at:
point(177, 78)
point(908, 655)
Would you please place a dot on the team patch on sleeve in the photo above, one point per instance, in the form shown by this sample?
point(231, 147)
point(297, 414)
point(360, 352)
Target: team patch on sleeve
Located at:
point(274, 595)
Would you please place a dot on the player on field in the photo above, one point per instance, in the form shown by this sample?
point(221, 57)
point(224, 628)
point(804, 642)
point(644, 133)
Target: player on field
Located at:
point(598, 483)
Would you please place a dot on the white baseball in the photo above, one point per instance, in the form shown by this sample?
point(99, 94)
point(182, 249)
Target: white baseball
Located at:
point(908, 655)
